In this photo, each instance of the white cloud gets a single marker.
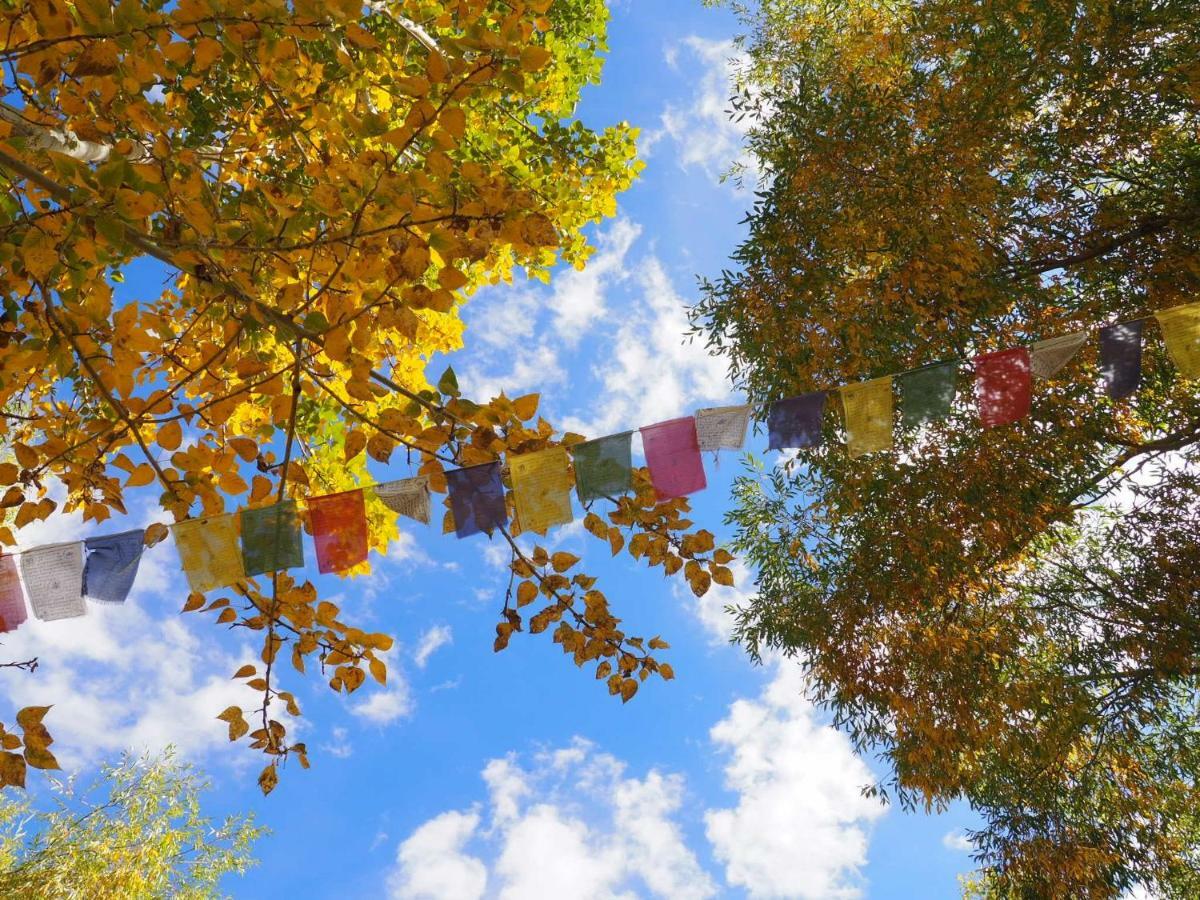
(390, 704)
(579, 294)
(430, 641)
(702, 131)
(431, 864)
(801, 825)
(119, 678)
(650, 348)
(339, 744)
(506, 318)
(956, 840)
(405, 549)
(572, 825)
(711, 608)
(646, 344)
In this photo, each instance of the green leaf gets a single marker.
(448, 383)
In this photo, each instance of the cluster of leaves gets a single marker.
(145, 837)
(329, 183)
(29, 748)
(946, 178)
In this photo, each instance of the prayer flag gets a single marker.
(1180, 326)
(1048, 356)
(673, 455)
(868, 407)
(271, 538)
(796, 422)
(53, 578)
(1121, 358)
(927, 394)
(407, 497)
(112, 564)
(339, 528)
(12, 598)
(209, 552)
(541, 485)
(477, 499)
(722, 427)
(1003, 386)
(603, 467)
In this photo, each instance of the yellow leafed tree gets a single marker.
(327, 182)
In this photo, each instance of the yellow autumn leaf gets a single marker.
(140, 477)
(169, 436)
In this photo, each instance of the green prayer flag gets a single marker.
(603, 467)
(927, 394)
(271, 539)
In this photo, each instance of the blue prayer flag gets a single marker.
(796, 422)
(476, 499)
(112, 564)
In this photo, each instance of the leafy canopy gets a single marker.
(137, 831)
(329, 182)
(1007, 616)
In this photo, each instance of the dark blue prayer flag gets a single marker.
(1121, 358)
(476, 499)
(796, 422)
(112, 564)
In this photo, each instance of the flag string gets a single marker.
(225, 548)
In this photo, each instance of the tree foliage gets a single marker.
(144, 837)
(328, 182)
(1010, 615)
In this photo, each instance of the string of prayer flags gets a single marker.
(722, 427)
(1048, 356)
(112, 565)
(339, 529)
(12, 598)
(673, 454)
(407, 497)
(868, 408)
(1121, 358)
(1003, 386)
(477, 499)
(209, 552)
(541, 483)
(603, 467)
(53, 577)
(1180, 326)
(271, 538)
(927, 394)
(219, 551)
(796, 422)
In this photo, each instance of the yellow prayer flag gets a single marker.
(541, 484)
(1180, 327)
(868, 407)
(209, 551)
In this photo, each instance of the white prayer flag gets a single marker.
(408, 497)
(722, 427)
(53, 577)
(1048, 356)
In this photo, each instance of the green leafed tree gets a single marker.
(1007, 616)
(137, 832)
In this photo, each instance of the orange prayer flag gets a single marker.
(339, 527)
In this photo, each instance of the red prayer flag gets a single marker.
(673, 455)
(1003, 386)
(12, 598)
(339, 526)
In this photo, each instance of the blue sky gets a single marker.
(476, 774)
